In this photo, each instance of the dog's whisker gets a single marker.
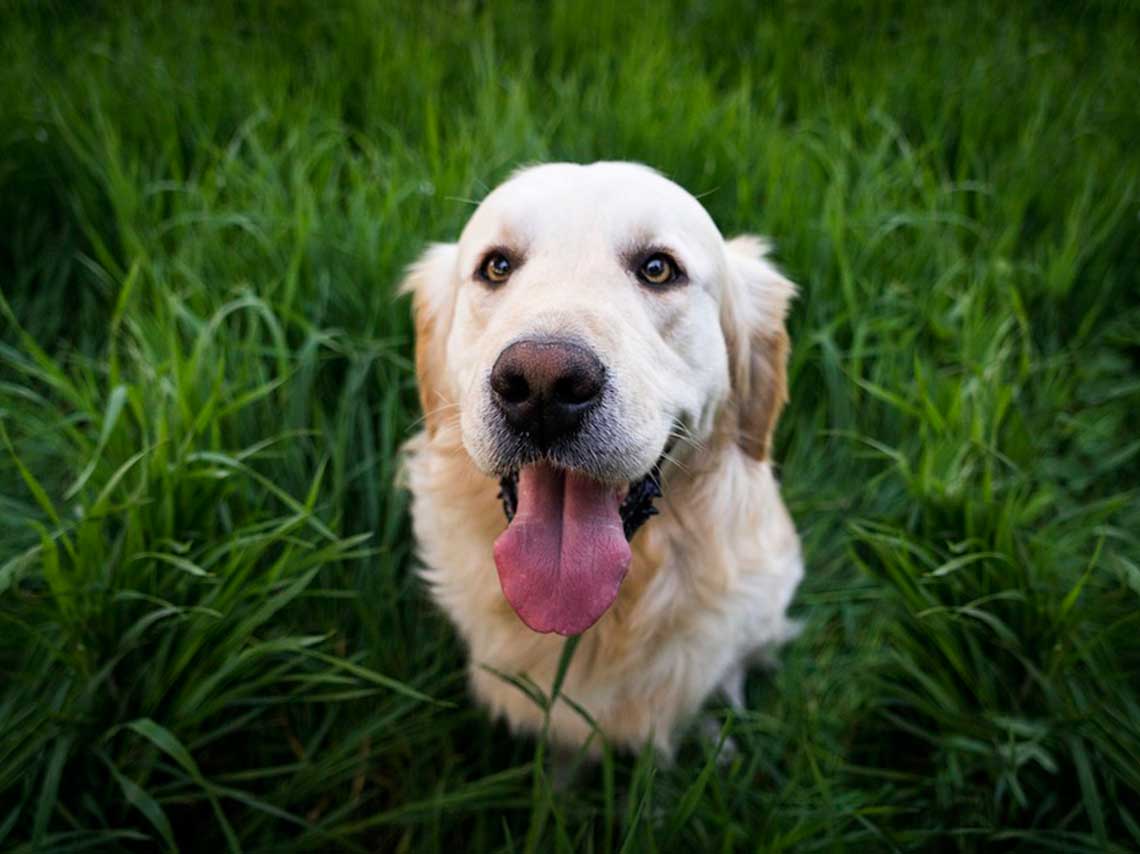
(673, 460)
(688, 439)
(439, 410)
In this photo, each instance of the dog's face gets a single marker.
(612, 271)
(590, 322)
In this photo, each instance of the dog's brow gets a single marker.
(512, 235)
(642, 238)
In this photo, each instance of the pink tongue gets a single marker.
(564, 555)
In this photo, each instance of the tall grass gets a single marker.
(211, 636)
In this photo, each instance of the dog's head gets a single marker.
(590, 323)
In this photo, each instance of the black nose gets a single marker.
(545, 387)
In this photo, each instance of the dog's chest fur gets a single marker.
(706, 593)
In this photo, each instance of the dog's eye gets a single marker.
(658, 269)
(496, 268)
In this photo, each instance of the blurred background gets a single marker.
(211, 633)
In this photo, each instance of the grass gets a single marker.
(211, 637)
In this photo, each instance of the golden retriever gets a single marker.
(592, 343)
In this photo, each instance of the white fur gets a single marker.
(713, 574)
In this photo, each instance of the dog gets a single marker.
(601, 373)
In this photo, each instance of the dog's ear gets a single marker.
(753, 309)
(431, 282)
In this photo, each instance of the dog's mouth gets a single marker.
(566, 549)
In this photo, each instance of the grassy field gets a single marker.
(211, 634)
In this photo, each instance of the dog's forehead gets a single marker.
(622, 202)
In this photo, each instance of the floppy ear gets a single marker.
(431, 282)
(755, 303)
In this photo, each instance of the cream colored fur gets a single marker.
(713, 574)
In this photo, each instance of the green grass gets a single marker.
(210, 632)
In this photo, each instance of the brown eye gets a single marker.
(496, 268)
(658, 269)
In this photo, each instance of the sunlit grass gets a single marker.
(211, 636)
